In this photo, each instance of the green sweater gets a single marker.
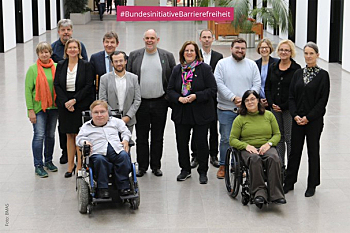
(255, 130)
(30, 82)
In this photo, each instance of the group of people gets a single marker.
(203, 88)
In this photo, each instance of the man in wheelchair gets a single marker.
(255, 133)
(102, 134)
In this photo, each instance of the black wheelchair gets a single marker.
(86, 184)
(237, 174)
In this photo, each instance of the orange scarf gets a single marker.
(42, 88)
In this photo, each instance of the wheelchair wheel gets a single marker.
(232, 172)
(135, 202)
(83, 196)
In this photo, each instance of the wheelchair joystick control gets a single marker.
(136, 167)
(86, 150)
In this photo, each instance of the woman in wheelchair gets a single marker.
(255, 133)
(102, 134)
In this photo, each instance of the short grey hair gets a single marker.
(312, 45)
(65, 23)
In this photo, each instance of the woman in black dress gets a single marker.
(73, 86)
(308, 97)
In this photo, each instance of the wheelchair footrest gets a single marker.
(100, 200)
(131, 196)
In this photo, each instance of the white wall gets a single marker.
(27, 20)
(41, 17)
(53, 14)
(346, 37)
(9, 24)
(285, 34)
(323, 27)
(62, 8)
(301, 23)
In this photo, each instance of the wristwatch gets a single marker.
(270, 143)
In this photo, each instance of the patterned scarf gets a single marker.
(42, 89)
(309, 73)
(187, 77)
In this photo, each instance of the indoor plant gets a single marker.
(77, 11)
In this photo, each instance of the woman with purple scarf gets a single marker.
(191, 91)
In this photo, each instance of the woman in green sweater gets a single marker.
(42, 112)
(255, 133)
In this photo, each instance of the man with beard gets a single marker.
(121, 90)
(234, 75)
(153, 66)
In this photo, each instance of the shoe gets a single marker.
(280, 201)
(124, 192)
(69, 174)
(140, 173)
(214, 161)
(287, 188)
(183, 176)
(51, 166)
(221, 172)
(194, 162)
(203, 179)
(310, 192)
(259, 201)
(157, 172)
(103, 193)
(39, 170)
(63, 159)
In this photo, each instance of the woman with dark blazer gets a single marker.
(73, 86)
(308, 97)
(191, 91)
(277, 92)
(264, 49)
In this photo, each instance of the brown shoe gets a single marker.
(221, 172)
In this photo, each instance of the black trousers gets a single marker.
(312, 131)
(200, 138)
(63, 141)
(213, 140)
(151, 116)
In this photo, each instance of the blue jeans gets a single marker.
(226, 119)
(44, 133)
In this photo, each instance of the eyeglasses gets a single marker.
(262, 48)
(284, 50)
(250, 100)
(99, 112)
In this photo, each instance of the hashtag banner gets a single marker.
(164, 13)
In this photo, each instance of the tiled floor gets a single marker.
(32, 204)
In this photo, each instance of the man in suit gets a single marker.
(153, 66)
(65, 32)
(100, 61)
(211, 58)
(121, 90)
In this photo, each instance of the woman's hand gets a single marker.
(264, 102)
(69, 104)
(251, 149)
(304, 121)
(264, 148)
(276, 108)
(191, 98)
(32, 116)
(183, 100)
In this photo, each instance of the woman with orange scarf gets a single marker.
(42, 112)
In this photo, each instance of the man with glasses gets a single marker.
(234, 75)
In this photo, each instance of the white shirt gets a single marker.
(71, 76)
(206, 57)
(121, 89)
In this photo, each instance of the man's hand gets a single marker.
(276, 108)
(251, 149)
(264, 148)
(264, 102)
(191, 98)
(126, 119)
(237, 101)
(32, 116)
(125, 145)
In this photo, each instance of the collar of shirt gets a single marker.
(206, 54)
(118, 77)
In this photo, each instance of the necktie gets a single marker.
(110, 65)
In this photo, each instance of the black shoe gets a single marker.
(214, 161)
(194, 162)
(280, 201)
(183, 176)
(203, 179)
(103, 193)
(310, 192)
(259, 201)
(157, 172)
(63, 159)
(287, 188)
(140, 173)
(69, 174)
(124, 192)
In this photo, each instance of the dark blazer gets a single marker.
(167, 61)
(309, 100)
(98, 63)
(83, 84)
(277, 84)
(271, 60)
(215, 57)
(203, 85)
